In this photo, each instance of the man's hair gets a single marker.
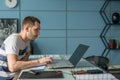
(30, 20)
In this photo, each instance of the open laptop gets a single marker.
(73, 60)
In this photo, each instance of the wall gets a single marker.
(64, 24)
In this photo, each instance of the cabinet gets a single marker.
(107, 26)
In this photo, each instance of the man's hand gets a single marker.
(45, 59)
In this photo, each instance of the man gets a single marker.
(15, 50)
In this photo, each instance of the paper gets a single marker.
(37, 68)
(106, 76)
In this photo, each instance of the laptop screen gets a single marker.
(78, 54)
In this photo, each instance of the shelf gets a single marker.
(113, 49)
(113, 24)
(114, 0)
(107, 26)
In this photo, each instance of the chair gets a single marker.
(100, 61)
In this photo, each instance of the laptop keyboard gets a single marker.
(59, 64)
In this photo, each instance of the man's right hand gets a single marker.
(45, 59)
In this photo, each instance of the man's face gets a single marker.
(34, 31)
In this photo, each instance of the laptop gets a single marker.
(72, 61)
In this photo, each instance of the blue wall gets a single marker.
(65, 24)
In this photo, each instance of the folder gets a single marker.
(41, 75)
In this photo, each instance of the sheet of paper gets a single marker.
(106, 76)
(39, 67)
(35, 68)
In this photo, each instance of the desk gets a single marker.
(66, 72)
(68, 76)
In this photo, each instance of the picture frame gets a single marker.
(7, 27)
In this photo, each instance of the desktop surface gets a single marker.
(67, 71)
(66, 75)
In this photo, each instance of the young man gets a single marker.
(15, 50)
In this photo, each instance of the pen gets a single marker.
(32, 72)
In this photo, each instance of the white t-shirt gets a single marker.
(12, 45)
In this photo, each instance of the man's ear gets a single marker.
(27, 27)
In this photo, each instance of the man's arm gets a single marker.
(15, 65)
(26, 57)
(27, 54)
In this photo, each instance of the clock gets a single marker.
(11, 3)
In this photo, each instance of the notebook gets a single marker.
(72, 61)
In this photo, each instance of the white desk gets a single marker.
(66, 72)
(67, 75)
